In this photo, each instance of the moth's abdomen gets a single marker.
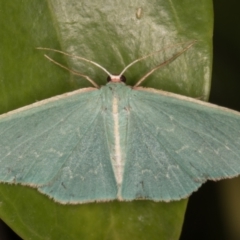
(115, 100)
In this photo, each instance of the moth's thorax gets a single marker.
(119, 91)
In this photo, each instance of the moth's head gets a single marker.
(116, 78)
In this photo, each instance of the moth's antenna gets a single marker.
(150, 54)
(72, 71)
(164, 63)
(77, 57)
(116, 78)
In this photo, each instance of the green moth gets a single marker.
(119, 142)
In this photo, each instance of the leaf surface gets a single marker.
(112, 33)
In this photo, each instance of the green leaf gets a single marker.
(112, 33)
(35, 216)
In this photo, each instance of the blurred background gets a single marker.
(214, 211)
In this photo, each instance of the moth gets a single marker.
(118, 142)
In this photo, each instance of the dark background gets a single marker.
(204, 219)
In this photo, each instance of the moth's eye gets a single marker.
(108, 79)
(123, 78)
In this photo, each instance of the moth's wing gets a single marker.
(59, 146)
(174, 144)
